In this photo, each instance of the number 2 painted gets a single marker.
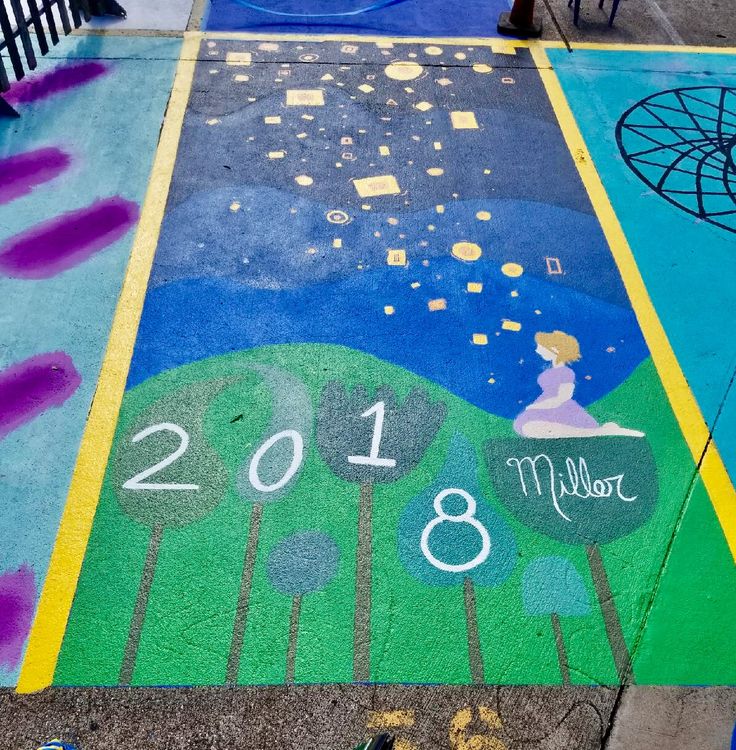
(137, 483)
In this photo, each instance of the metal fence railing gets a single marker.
(29, 23)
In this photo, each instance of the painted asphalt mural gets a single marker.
(391, 414)
(380, 423)
(64, 244)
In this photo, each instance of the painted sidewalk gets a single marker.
(69, 203)
(348, 325)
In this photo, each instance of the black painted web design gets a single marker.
(682, 143)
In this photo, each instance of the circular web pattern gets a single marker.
(682, 143)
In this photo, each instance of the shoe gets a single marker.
(382, 742)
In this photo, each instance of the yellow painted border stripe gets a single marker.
(692, 423)
(65, 565)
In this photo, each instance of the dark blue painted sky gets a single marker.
(249, 257)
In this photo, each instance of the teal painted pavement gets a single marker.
(103, 132)
(686, 261)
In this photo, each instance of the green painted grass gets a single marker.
(418, 632)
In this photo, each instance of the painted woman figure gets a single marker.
(555, 414)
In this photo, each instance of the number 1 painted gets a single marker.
(373, 459)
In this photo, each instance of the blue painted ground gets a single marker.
(111, 151)
(683, 260)
(401, 18)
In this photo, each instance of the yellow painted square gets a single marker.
(305, 98)
(475, 287)
(481, 339)
(238, 58)
(369, 187)
(438, 146)
(337, 243)
(384, 151)
(464, 120)
(437, 304)
(396, 257)
(510, 325)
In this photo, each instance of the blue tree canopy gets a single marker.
(451, 521)
(552, 585)
(303, 563)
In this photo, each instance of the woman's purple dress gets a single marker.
(570, 414)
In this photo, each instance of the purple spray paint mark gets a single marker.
(22, 172)
(17, 600)
(56, 81)
(30, 387)
(67, 240)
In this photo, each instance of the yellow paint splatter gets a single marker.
(483, 216)
(480, 339)
(482, 68)
(435, 172)
(512, 269)
(384, 151)
(235, 206)
(276, 154)
(510, 325)
(390, 719)
(369, 187)
(464, 120)
(434, 51)
(435, 305)
(305, 98)
(337, 243)
(389, 310)
(423, 106)
(304, 180)
(439, 209)
(238, 58)
(403, 70)
(396, 257)
(272, 120)
(213, 121)
(467, 251)
(366, 88)
(475, 287)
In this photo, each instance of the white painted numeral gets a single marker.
(298, 447)
(137, 483)
(372, 459)
(467, 517)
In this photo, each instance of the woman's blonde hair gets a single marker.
(566, 347)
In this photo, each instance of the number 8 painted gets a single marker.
(467, 517)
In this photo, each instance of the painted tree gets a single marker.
(588, 491)
(267, 475)
(165, 474)
(552, 587)
(301, 564)
(372, 440)
(450, 536)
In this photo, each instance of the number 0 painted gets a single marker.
(137, 483)
(297, 442)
